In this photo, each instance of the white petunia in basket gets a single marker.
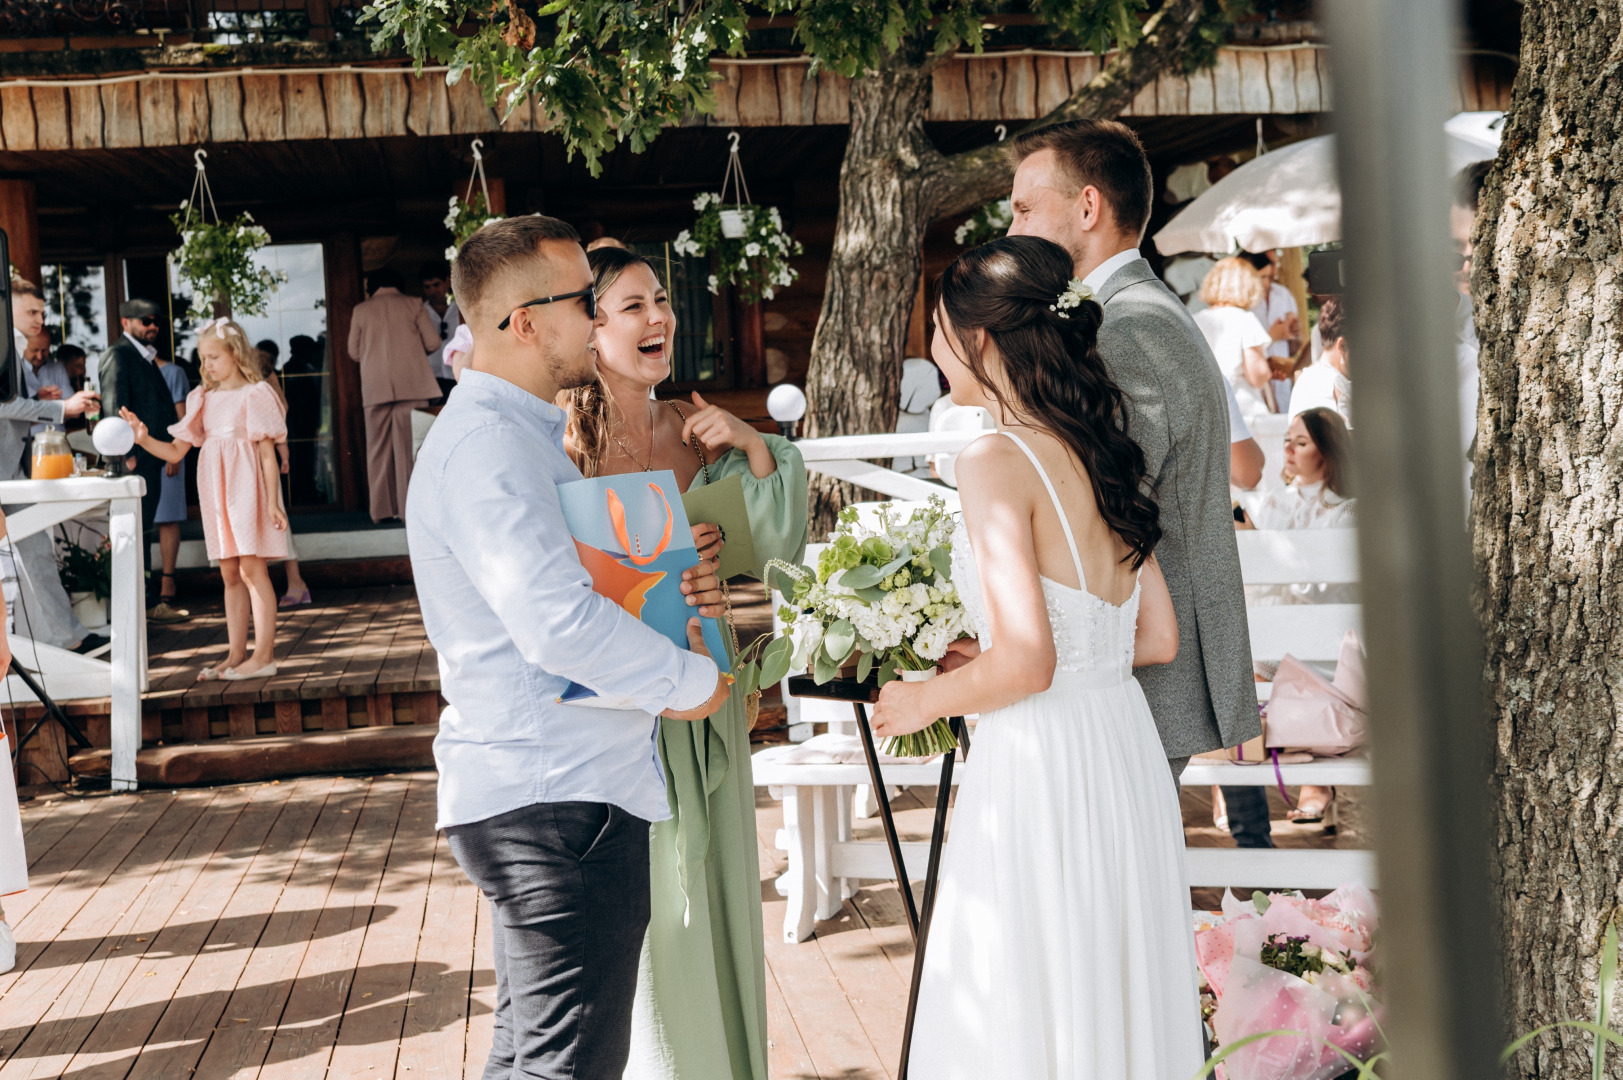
(882, 597)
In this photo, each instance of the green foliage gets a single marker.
(988, 223)
(464, 219)
(613, 71)
(217, 260)
(757, 262)
(85, 571)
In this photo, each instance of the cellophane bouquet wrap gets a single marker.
(1285, 963)
(882, 596)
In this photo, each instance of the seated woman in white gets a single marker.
(1061, 946)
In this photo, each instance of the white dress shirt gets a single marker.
(1100, 274)
(448, 323)
(512, 614)
(148, 353)
(1321, 386)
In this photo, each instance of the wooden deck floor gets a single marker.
(320, 928)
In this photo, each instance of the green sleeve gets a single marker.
(776, 503)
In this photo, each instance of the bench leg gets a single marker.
(844, 888)
(799, 831)
(825, 818)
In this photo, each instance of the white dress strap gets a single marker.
(1053, 496)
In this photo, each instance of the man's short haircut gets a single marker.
(438, 269)
(24, 287)
(68, 352)
(500, 251)
(1104, 154)
(384, 277)
(1332, 319)
(1468, 185)
(1259, 259)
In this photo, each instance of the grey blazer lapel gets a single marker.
(1134, 272)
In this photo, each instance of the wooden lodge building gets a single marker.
(348, 159)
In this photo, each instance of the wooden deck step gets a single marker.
(235, 761)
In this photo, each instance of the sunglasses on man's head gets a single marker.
(588, 295)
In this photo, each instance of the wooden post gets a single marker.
(344, 291)
(19, 216)
(751, 348)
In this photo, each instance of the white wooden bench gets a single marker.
(821, 801)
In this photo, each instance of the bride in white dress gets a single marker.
(1061, 946)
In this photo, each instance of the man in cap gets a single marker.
(43, 612)
(130, 379)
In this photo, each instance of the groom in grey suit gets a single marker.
(1086, 186)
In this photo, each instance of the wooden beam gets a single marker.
(304, 108)
(19, 216)
(17, 124)
(343, 259)
(51, 118)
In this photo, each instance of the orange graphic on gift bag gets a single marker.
(617, 517)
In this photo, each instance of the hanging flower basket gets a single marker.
(216, 258)
(748, 242)
(751, 249)
(470, 213)
(988, 223)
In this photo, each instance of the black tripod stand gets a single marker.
(53, 711)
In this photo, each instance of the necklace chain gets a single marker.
(649, 467)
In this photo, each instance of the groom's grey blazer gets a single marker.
(1178, 412)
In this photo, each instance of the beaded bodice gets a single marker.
(1090, 634)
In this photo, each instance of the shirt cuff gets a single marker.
(696, 683)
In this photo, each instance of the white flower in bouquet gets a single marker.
(883, 597)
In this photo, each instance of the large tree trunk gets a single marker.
(1547, 507)
(893, 184)
(854, 380)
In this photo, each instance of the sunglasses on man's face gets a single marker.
(588, 295)
(148, 320)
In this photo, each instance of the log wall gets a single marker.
(172, 108)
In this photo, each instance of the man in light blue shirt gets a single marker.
(546, 806)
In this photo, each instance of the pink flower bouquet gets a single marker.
(1286, 963)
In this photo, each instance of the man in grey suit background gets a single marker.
(44, 612)
(1086, 185)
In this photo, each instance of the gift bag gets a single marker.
(1315, 715)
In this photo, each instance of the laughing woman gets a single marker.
(701, 991)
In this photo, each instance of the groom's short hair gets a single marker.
(1104, 154)
(500, 253)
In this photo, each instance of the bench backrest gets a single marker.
(1309, 632)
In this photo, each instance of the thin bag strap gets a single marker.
(1081, 578)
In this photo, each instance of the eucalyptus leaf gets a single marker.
(887, 670)
(775, 661)
(941, 559)
(862, 577)
(872, 595)
(823, 669)
(864, 666)
(748, 678)
(838, 639)
(903, 557)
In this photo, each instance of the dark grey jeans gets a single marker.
(568, 886)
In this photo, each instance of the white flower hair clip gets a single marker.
(217, 325)
(1074, 294)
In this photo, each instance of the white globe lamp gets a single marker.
(787, 405)
(113, 437)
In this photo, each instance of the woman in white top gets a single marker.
(1239, 342)
(1318, 451)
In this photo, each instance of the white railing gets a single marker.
(66, 676)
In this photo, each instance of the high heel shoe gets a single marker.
(290, 600)
(1325, 814)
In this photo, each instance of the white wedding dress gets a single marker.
(1061, 947)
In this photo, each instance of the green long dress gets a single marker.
(700, 1012)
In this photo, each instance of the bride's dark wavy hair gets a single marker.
(1051, 364)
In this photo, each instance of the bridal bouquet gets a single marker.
(1293, 983)
(883, 597)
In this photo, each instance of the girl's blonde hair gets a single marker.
(236, 342)
(587, 429)
(1233, 282)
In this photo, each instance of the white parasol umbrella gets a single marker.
(1289, 197)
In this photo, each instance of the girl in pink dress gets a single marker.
(236, 419)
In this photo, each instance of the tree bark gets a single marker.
(893, 184)
(854, 380)
(1548, 501)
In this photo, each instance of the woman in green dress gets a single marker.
(701, 990)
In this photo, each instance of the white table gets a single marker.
(49, 503)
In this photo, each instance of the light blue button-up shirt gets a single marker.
(512, 614)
